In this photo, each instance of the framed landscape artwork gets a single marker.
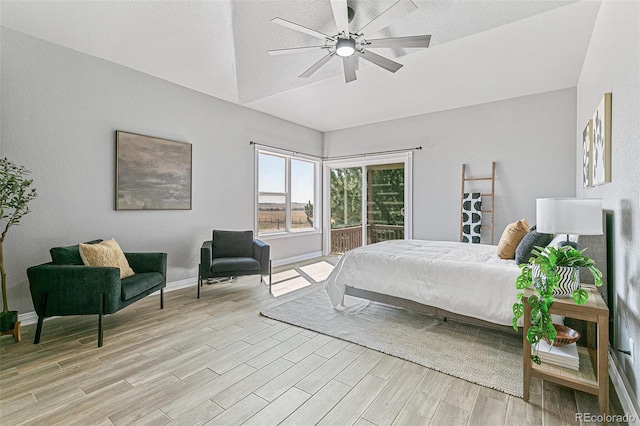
(152, 173)
(587, 154)
(602, 142)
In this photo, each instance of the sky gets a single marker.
(272, 178)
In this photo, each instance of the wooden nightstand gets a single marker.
(593, 376)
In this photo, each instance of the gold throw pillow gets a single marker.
(106, 253)
(511, 237)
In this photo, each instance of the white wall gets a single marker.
(530, 138)
(612, 65)
(60, 111)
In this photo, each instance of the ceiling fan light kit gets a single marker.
(345, 47)
(348, 44)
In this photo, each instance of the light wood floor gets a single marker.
(218, 361)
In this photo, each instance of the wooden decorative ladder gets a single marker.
(488, 196)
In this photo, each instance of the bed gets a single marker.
(449, 279)
(438, 277)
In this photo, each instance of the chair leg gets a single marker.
(162, 298)
(199, 283)
(17, 336)
(269, 275)
(43, 304)
(100, 319)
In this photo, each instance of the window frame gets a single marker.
(317, 193)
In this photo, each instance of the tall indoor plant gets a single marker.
(548, 260)
(15, 194)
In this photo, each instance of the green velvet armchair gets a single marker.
(65, 286)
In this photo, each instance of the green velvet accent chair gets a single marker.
(231, 254)
(65, 286)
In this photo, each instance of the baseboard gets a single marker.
(623, 389)
(32, 318)
(295, 259)
(28, 318)
(184, 283)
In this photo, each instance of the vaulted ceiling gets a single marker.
(481, 51)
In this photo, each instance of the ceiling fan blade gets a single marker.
(398, 10)
(296, 50)
(380, 61)
(349, 64)
(340, 15)
(413, 41)
(315, 67)
(300, 28)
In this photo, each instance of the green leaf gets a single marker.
(536, 359)
(523, 281)
(518, 310)
(535, 311)
(580, 296)
(549, 330)
(533, 334)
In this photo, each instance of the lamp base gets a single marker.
(569, 243)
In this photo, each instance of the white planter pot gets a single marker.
(569, 280)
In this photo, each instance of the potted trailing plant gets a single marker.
(15, 194)
(543, 272)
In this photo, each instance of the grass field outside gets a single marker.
(271, 217)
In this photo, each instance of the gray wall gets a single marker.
(60, 111)
(613, 65)
(530, 138)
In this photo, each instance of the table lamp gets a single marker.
(581, 216)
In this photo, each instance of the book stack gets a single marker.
(564, 356)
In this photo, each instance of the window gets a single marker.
(286, 193)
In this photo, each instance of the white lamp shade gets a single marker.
(581, 216)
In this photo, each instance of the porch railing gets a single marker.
(344, 239)
(378, 233)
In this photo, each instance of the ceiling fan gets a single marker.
(350, 45)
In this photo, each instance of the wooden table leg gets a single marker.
(526, 352)
(603, 364)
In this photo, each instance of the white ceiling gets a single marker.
(481, 51)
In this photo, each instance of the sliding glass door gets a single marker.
(345, 199)
(366, 201)
(385, 202)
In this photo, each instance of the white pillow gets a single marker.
(563, 237)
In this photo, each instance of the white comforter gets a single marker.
(467, 279)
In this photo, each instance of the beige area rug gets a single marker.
(488, 357)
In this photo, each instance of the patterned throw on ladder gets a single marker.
(471, 217)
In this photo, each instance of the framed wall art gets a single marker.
(602, 142)
(152, 173)
(587, 155)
